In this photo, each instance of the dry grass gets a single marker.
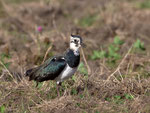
(121, 87)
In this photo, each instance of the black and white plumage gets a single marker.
(59, 68)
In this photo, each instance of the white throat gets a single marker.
(74, 48)
(76, 52)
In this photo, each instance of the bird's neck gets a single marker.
(76, 52)
(73, 58)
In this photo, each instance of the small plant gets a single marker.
(118, 99)
(2, 109)
(145, 4)
(74, 91)
(108, 99)
(81, 96)
(74, 78)
(96, 111)
(117, 41)
(113, 49)
(98, 55)
(139, 45)
(78, 104)
(87, 21)
(112, 52)
(4, 57)
(82, 69)
(129, 96)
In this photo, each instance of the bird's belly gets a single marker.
(68, 72)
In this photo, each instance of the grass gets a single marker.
(111, 54)
(127, 90)
(78, 87)
(18, 1)
(82, 69)
(138, 45)
(2, 11)
(2, 109)
(87, 21)
(145, 4)
(117, 99)
(3, 59)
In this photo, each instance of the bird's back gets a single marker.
(57, 68)
(47, 71)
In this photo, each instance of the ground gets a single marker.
(114, 73)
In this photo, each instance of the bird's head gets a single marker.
(75, 42)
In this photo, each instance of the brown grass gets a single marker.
(123, 87)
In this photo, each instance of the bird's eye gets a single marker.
(76, 41)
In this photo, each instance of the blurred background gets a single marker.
(117, 38)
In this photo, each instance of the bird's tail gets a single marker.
(31, 73)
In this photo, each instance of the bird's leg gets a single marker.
(58, 88)
(37, 83)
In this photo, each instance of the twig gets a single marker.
(2, 75)
(50, 47)
(118, 68)
(7, 71)
(89, 70)
(120, 75)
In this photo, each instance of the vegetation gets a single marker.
(114, 75)
(145, 4)
(112, 54)
(87, 21)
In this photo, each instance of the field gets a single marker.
(114, 72)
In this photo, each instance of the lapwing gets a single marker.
(58, 68)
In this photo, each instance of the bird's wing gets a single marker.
(49, 70)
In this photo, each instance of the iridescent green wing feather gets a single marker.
(50, 69)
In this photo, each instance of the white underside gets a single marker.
(65, 74)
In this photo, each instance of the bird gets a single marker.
(59, 67)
